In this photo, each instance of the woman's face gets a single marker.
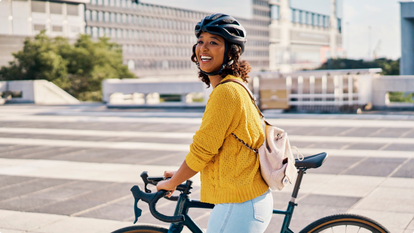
(210, 52)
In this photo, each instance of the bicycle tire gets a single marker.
(343, 223)
(142, 229)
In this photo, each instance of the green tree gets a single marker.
(389, 67)
(77, 68)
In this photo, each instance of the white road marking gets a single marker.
(365, 123)
(103, 133)
(90, 144)
(185, 148)
(97, 133)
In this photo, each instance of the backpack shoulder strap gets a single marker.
(248, 91)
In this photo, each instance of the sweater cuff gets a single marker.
(194, 163)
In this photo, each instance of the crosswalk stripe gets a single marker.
(185, 148)
(110, 172)
(89, 144)
(102, 133)
(97, 133)
(367, 123)
(130, 173)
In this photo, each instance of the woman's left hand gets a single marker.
(166, 185)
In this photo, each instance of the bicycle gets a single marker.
(333, 223)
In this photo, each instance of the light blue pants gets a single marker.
(252, 216)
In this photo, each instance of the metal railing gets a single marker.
(324, 90)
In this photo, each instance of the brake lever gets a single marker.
(137, 211)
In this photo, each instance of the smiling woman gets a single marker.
(221, 40)
(229, 170)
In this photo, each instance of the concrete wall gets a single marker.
(149, 86)
(384, 84)
(38, 92)
(407, 38)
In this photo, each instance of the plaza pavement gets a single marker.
(70, 168)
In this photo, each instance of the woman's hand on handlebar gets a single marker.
(169, 174)
(166, 185)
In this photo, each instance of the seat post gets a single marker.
(297, 184)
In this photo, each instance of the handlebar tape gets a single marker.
(158, 215)
(152, 199)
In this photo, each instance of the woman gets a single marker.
(229, 170)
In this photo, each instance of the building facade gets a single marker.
(22, 18)
(301, 38)
(157, 40)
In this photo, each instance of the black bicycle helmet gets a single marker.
(225, 26)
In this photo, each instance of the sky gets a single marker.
(368, 25)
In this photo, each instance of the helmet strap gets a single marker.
(225, 62)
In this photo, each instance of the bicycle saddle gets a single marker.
(313, 161)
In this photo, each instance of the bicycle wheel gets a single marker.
(345, 223)
(142, 229)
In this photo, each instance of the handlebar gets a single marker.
(153, 198)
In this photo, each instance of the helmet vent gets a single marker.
(216, 16)
(234, 32)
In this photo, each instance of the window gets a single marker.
(39, 27)
(57, 28)
(39, 6)
(339, 26)
(55, 8)
(93, 16)
(274, 12)
(72, 9)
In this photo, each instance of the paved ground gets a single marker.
(69, 169)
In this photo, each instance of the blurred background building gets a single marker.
(407, 38)
(22, 18)
(304, 34)
(157, 40)
(283, 35)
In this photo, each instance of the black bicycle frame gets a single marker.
(291, 206)
(184, 204)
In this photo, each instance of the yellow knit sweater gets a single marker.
(229, 170)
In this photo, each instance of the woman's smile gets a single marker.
(210, 51)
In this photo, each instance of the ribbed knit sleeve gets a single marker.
(219, 120)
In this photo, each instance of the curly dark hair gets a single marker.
(239, 68)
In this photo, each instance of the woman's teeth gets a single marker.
(205, 58)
